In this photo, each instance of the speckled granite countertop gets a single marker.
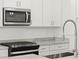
(41, 41)
(51, 41)
(29, 56)
(69, 57)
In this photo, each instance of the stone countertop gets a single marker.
(69, 57)
(3, 47)
(51, 41)
(29, 56)
(41, 41)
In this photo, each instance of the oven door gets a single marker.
(23, 50)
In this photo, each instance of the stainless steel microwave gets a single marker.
(16, 16)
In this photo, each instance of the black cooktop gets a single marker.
(19, 44)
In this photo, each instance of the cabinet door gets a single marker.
(51, 12)
(47, 12)
(26, 4)
(17, 3)
(68, 10)
(77, 21)
(56, 12)
(36, 12)
(11, 3)
(44, 46)
(68, 13)
(1, 19)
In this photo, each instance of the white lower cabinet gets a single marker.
(44, 53)
(3, 51)
(53, 49)
(44, 50)
(59, 47)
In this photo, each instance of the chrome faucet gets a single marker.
(75, 42)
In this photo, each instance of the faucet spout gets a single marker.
(75, 42)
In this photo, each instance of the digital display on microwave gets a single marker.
(15, 16)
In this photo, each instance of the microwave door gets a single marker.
(17, 17)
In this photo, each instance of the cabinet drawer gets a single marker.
(44, 53)
(3, 53)
(60, 46)
(44, 48)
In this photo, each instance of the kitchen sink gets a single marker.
(58, 55)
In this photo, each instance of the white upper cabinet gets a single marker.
(36, 12)
(25, 4)
(77, 7)
(17, 3)
(51, 12)
(1, 17)
(68, 10)
(77, 10)
(11, 3)
(47, 13)
(77, 18)
(57, 12)
(43, 12)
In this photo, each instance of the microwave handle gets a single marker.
(27, 17)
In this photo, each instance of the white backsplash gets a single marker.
(10, 33)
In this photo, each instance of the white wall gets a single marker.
(10, 33)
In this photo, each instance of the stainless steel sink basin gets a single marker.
(58, 55)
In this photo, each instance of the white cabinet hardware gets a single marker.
(17, 3)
